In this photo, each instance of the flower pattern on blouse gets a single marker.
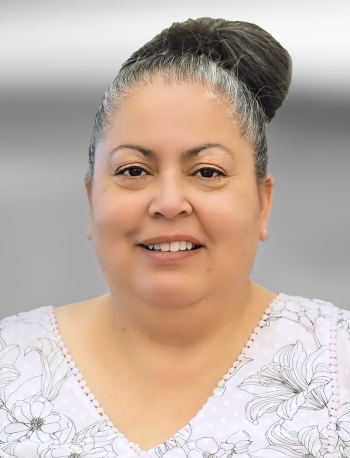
(305, 443)
(276, 400)
(292, 381)
(34, 418)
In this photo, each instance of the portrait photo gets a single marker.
(175, 229)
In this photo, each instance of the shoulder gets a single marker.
(27, 327)
(330, 323)
(341, 334)
(36, 314)
(343, 322)
(299, 304)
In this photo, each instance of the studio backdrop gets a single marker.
(58, 58)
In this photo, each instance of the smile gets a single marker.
(173, 246)
(170, 257)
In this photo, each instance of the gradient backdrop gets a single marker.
(57, 59)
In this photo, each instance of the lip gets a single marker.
(171, 238)
(170, 257)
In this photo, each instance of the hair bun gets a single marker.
(242, 47)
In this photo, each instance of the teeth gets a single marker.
(173, 246)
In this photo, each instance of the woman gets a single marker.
(185, 356)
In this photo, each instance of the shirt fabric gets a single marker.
(287, 395)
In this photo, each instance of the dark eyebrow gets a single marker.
(187, 154)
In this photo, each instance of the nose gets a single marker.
(170, 195)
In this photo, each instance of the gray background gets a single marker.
(57, 59)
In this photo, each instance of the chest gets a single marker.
(268, 386)
(147, 413)
(146, 410)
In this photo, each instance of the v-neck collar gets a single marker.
(243, 358)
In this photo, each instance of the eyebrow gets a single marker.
(186, 155)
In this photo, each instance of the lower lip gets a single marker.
(170, 257)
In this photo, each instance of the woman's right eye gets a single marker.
(131, 173)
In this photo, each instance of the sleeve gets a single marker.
(339, 427)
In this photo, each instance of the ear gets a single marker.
(265, 199)
(88, 235)
(87, 190)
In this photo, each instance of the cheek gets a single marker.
(231, 228)
(116, 225)
(116, 217)
(233, 216)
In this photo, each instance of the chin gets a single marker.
(167, 292)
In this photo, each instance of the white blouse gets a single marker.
(287, 395)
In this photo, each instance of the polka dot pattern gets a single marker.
(290, 380)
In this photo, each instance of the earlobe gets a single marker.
(263, 236)
(88, 234)
(265, 204)
(87, 192)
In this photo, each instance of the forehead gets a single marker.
(164, 102)
(162, 116)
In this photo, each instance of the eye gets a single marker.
(134, 172)
(210, 170)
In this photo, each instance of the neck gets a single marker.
(168, 337)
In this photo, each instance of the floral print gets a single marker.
(206, 446)
(34, 421)
(288, 383)
(342, 431)
(93, 442)
(33, 418)
(180, 445)
(343, 323)
(275, 401)
(305, 443)
(237, 443)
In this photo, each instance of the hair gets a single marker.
(247, 70)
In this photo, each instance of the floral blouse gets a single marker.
(287, 395)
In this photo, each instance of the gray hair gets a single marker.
(250, 106)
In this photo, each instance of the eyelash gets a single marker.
(221, 174)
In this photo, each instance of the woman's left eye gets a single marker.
(211, 170)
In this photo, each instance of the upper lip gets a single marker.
(171, 238)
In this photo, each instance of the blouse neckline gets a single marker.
(92, 399)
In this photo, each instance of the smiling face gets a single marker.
(212, 196)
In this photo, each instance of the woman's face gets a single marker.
(169, 194)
